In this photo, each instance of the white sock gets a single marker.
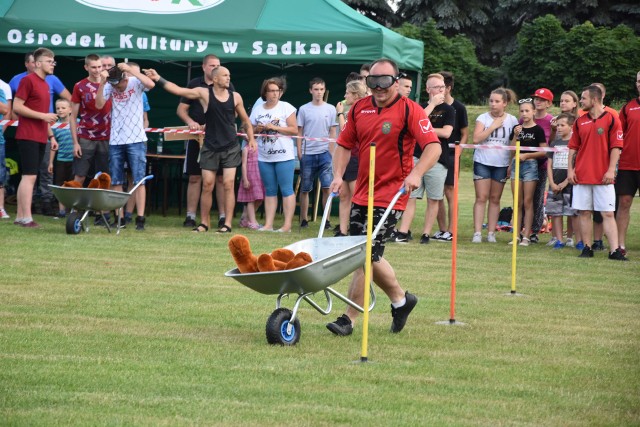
(399, 303)
(191, 215)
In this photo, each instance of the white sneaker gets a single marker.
(491, 238)
(569, 243)
(477, 238)
(4, 214)
(525, 242)
(552, 241)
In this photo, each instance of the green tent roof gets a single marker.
(272, 31)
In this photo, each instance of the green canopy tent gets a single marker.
(255, 39)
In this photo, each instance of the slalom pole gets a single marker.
(514, 220)
(367, 264)
(454, 229)
(454, 241)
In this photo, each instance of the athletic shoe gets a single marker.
(254, 226)
(401, 314)
(4, 214)
(342, 326)
(443, 236)
(477, 238)
(140, 223)
(401, 237)
(618, 255)
(569, 243)
(558, 245)
(30, 224)
(587, 252)
(304, 223)
(552, 241)
(327, 225)
(190, 222)
(339, 234)
(99, 222)
(533, 238)
(337, 228)
(598, 245)
(424, 239)
(221, 221)
(524, 242)
(623, 250)
(491, 238)
(409, 236)
(114, 224)
(580, 245)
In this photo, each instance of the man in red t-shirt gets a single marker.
(628, 179)
(594, 150)
(395, 124)
(91, 134)
(31, 103)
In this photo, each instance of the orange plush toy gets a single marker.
(279, 259)
(72, 184)
(240, 250)
(104, 181)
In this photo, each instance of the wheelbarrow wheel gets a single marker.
(73, 223)
(277, 326)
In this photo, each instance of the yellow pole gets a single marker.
(367, 264)
(514, 219)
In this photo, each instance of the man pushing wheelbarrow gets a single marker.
(395, 124)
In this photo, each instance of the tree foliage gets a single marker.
(548, 56)
(492, 24)
(455, 54)
(376, 10)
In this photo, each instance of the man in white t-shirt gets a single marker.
(127, 140)
(316, 120)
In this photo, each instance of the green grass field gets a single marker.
(144, 329)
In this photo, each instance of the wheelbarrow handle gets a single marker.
(142, 181)
(327, 209)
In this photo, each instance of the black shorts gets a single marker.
(62, 171)
(351, 172)
(627, 183)
(31, 156)
(450, 180)
(358, 227)
(191, 165)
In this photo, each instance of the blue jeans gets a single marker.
(277, 174)
(136, 156)
(3, 167)
(316, 165)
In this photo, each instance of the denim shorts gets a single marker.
(316, 165)
(496, 173)
(528, 170)
(135, 154)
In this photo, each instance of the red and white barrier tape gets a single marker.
(200, 132)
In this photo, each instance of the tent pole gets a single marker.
(188, 72)
(418, 86)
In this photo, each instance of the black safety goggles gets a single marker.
(383, 81)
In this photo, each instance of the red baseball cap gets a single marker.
(544, 93)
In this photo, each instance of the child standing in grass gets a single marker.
(559, 195)
(61, 160)
(542, 101)
(530, 135)
(251, 190)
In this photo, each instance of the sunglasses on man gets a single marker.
(383, 81)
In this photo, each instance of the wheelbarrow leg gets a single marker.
(351, 303)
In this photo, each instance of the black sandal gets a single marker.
(198, 230)
(224, 229)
